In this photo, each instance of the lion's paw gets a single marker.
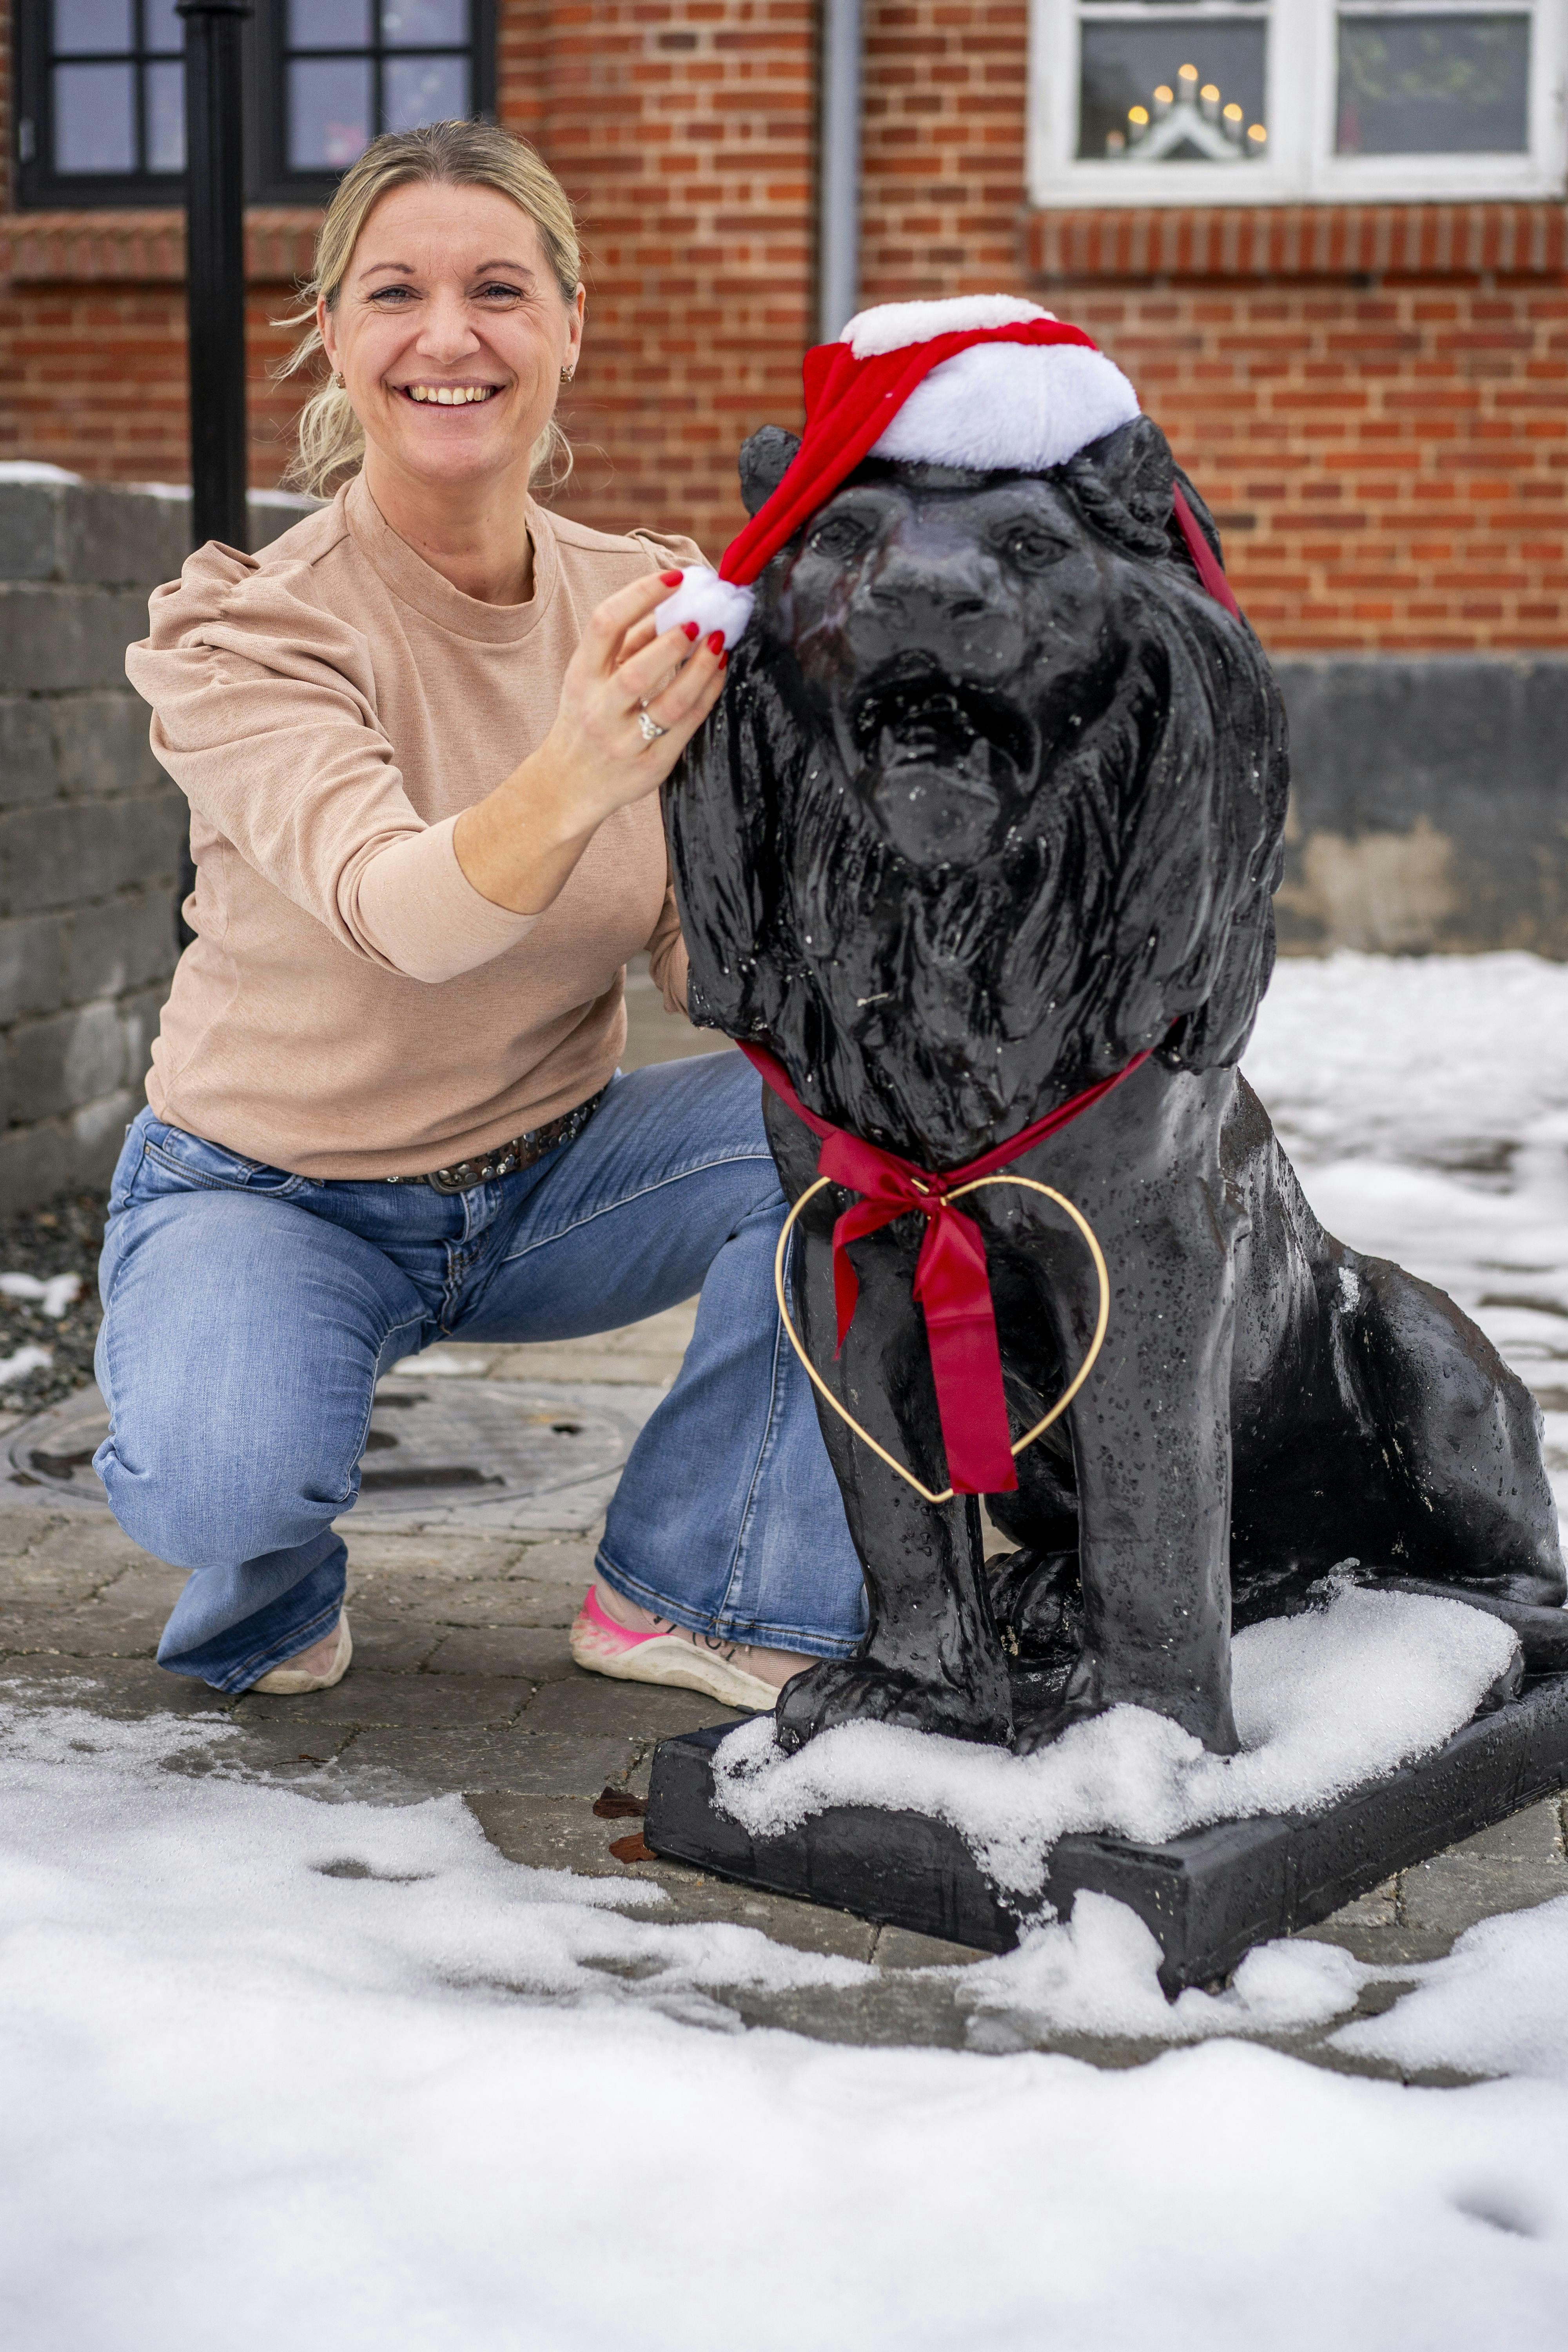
(854, 1690)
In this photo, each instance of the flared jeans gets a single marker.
(249, 1314)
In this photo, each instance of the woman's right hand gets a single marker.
(620, 669)
(518, 844)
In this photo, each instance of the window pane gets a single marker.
(425, 25)
(165, 118)
(83, 25)
(1187, 91)
(329, 114)
(328, 24)
(1434, 86)
(161, 29)
(95, 118)
(424, 89)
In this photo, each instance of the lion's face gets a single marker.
(991, 802)
(952, 639)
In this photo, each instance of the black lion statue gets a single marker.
(992, 805)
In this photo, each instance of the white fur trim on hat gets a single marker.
(712, 603)
(1021, 408)
(893, 326)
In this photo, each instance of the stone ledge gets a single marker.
(61, 531)
(147, 248)
(1140, 241)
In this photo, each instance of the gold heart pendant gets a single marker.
(1062, 1402)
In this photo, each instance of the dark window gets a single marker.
(337, 72)
(102, 113)
(1437, 85)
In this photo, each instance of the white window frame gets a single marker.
(1301, 164)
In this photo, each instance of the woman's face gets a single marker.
(451, 333)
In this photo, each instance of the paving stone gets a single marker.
(277, 1751)
(479, 1604)
(129, 1689)
(1532, 1839)
(887, 2013)
(900, 1948)
(390, 1642)
(146, 1584)
(422, 1702)
(1512, 1867)
(18, 1528)
(1365, 1929)
(567, 1559)
(640, 1710)
(538, 1653)
(552, 1833)
(543, 1764)
(77, 1545)
(35, 1579)
(425, 1553)
(92, 1630)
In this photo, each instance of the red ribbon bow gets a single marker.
(951, 1281)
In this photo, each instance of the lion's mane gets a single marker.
(936, 1010)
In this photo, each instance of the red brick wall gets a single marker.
(93, 378)
(1389, 465)
(1372, 399)
(92, 341)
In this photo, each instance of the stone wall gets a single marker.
(1429, 805)
(92, 830)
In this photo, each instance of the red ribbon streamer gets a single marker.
(1209, 569)
(951, 1281)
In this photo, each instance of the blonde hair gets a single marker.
(439, 154)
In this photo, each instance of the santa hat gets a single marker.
(985, 382)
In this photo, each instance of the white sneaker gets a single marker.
(326, 1662)
(675, 1657)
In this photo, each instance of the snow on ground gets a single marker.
(341, 2075)
(1425, 1103)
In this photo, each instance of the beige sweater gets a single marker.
(352, 1006)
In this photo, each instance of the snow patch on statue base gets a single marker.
(1376, 1729)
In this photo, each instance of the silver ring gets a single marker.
(651, 730)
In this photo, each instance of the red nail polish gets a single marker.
(671, 579)
(691, 630)
(724, 661)
(716, 642)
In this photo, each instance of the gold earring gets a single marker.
(567, 375)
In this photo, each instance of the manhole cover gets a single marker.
(501, 1454)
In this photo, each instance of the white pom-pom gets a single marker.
(712, 603)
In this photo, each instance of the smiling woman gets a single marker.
(423, 737)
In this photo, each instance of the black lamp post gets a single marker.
(214, 267)
(215, 284)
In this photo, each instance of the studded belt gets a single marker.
(505, 1158)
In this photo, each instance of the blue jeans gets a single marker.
(249, 1314)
